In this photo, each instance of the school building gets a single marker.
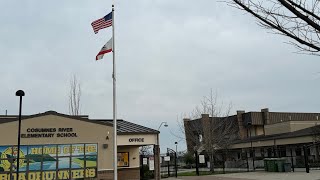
(294, 136)
(60, 146)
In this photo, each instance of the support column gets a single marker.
(156, 162)
(306, 158)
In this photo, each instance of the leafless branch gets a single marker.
(74, 96)
(297, 19)
(214, 132)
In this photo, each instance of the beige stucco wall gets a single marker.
(277, 128)
(298, 125)
(288, 126)
(259, 130)
(285, 141)
(131, 143)
(87, 132)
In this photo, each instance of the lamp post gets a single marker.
(157, 147)
(176, 143)
(165, 125)
(19, 93)
(249, 125)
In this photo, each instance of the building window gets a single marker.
(269, 152)
(283, 152)
(262, 152)
(298, 152)
(244, 155)
(251, 153)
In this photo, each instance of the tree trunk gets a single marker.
(211, 157)
(224, 161)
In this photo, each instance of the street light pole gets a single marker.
(176, 143)
(165, 125)
(19, 93)
(156, 148)
(249, 125)
(176, 158)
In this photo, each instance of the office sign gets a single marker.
(136, 139)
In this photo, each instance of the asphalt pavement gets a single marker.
(313, 175)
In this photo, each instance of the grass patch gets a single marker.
(193, 173)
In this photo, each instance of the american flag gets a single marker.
(102, 23)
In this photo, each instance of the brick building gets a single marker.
(264, 134)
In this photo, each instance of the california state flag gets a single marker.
(105, 49)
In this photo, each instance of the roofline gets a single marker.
(278, 136)
(106, 120)
(210, 117)
(287, 137)
(283, 112)
(111, 122)
(84, 118)
(81, 118)
(135, 133)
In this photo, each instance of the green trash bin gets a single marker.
(280, 163)
(272, 165)
(265, 164)
(275, 165)
(287, 167)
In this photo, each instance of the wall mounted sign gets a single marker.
(145, 161)
(202, 159)
(151, 163)
(123, 159)
(49, 133)
(136, 139)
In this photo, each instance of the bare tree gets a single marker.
(213, 134)
(74, 96)
(145, 150)
(296, 19)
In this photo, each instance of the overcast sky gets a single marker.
(170, 53)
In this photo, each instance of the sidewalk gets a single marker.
(313, 175)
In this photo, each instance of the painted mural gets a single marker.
(65, 161)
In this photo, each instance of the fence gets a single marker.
(146, 167)
(169, 166)
(300, 157)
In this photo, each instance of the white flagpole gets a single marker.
(115, 145)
